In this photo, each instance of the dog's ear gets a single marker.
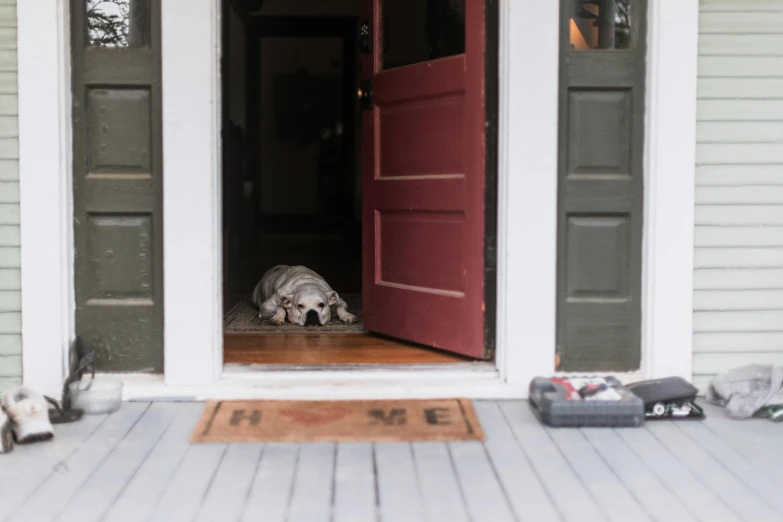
(333, 298)
(285, 300)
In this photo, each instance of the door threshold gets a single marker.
(477, 381)
(250, 368)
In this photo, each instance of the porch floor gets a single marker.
(137, 465)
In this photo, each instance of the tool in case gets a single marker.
(668, 398)
(585, 401)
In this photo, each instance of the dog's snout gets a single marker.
(312, 318)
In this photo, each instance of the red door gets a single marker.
(423, 172)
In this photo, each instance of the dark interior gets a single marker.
(291, 164)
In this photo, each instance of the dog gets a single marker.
(299, 293)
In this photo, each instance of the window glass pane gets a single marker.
(420, 30)
(599, 24)
(118, 23)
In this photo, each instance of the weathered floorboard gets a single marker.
(141, 493)
(687, 486)
(138, 464)
(270, 493)
(599, 479)
(399, 496)
(569, 494)
(231, 484)
(526, 493)
(107, 482)
(440, 490)
(354, 484)
(24, 470)
(184, 496)
(311, 498)
(646, 487)
(53, 495)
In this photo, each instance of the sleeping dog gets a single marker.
(301, 294)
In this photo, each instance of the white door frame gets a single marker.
(527, 210)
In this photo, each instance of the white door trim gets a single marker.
(46, 209)
(192, 332)
(527, 191)
(669, 188)
(527, 206)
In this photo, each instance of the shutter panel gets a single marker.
(117, 180)
(600, 184)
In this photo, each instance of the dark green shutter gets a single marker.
(117, 188)
(601, 154)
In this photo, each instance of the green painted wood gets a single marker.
(117, 184)
(601, 150)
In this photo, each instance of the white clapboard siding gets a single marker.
(10, 261)
(738, 321)
(9, 125)
(740, 44)
(742, 21)
(738, 262)
(738, 258)
(10, 257)
(738, 279)
(739, 153)
(738, 175)
(737, 236)
(743, 6)
(740, 132)
(738, 342)
(738, 300)
(717, 362)
(740, 195)
(717, 215)
(740, 109)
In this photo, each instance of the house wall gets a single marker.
(738, 279)
(10, 295)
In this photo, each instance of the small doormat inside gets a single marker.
(243, 318)
(337, 421)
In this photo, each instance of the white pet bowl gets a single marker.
(96, 396)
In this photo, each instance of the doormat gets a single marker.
(338, 421)
(243, 318)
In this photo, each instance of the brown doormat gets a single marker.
(243, 318)
(338, 421)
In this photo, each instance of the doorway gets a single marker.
(292, 177)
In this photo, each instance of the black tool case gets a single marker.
(584, 401)
(668, 398)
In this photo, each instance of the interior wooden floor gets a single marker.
(327, 349)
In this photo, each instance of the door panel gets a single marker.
(601, 184)
(423, 174)
(117, 177)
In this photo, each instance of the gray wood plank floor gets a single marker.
(137, 465)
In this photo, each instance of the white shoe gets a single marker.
(6, 435)
(29, 413)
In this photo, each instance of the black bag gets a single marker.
(668, 398)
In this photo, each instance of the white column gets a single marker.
(46, 210)
(529, 63)
(670, 170)
(191, 192)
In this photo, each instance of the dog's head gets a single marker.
(309, 305)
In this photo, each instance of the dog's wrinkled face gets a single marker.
(309, 306)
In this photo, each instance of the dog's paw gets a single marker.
(277, 321)
(348, 318)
